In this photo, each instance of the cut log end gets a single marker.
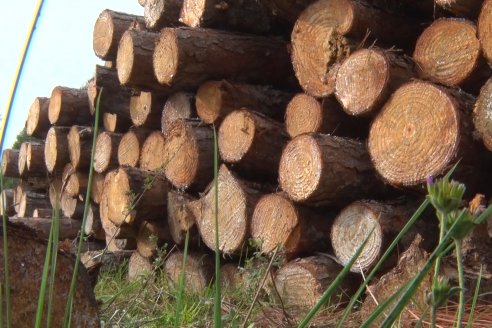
(69, 106)
(180, 105)
(304, 114)
(485, 29)
(482, 114)
(130, 146)
(10, 163)
(198, 270)
(125, 59)
(37, 123)
(166, 57)
(179, 217)
(209, 101)
(152, 155)
(119, 206)
(106, 150)
(103, 35)
(236, 135)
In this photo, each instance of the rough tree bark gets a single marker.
(38, 123)
(461, 8)
(69, 228)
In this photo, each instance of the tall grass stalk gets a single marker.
(54, 255)
(181, 285)
(461, 282)
(475, 298)
(218, 294)
(437, 267)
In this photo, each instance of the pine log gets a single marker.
(327, 170)
(180, 219)
(131, 194)
(28, 200)
(69, 106)
(55, 192)
(198, 270)
(108, 30)
(35, 163)
(71, 207)
(130, 146)
(162, 13)
(482, 114)
(216, 99)
(220, 54)
(367, 78)
(278, 222)
(139, 267)
(306, 114)
(288, 10)
(69, 229)
(180, 105)
(93, 225)
(423, 9)
(253, 143)
(80, 140)
(319, 38)
(146, 110)
(484, 27)
(10, 163)
(461, 8)
(104, 258)
(97, 187)
(188, 155)
(420, 132)
(22, 160)
(115, 123)
(106, 156)
(7, 202)
(38, 123)
(42, 213)
(151, 236)
(152, 153)
(119, 237)
(76, 183)
(56, 152)
(236, 200)
(448, 52)
(313, 274)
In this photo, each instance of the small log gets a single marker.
(10, 163)
(76, 183)
(180, 219)
(306, 114)
(367, 78)
(97, 187)
(130, 147)
(482, 112)
(139, 267)
(334, 170)
(69, 229)
(146, 110)
(216, 99)
(461, 8)
(35, 162)
(288, 10)
(108, 30)
(151, 236)
(69, 106)
(448, 52)
(221, 54)
(42, 213)
(80, 140)
(237, 200)
(93, 225)
(131, 194)
(117, 237)
(180, 105)
(277, 221)
(56, 152)
(162, 13)
(252, 142)
(71, 207)
(22, 160)
(152, 153)
(55, 192)
(188, 155)
(38, 123)
(28, 200)
(115, 123)
(106, 156)
(198, 270)
(7, 202)
(484, 27)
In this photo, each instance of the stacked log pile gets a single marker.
(329, 115)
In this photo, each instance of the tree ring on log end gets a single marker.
(304, 114)
(416, 135)
(51, 149)
(129, 149)
(209, 101)
(125, 58)
(485, 29)
(482, 114)
(118, 198)
(166, 56)
(193, 12)
(236, 135)
(102, 157)
(103, 34)
(55, 106)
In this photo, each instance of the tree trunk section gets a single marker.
(151, 236)
(69, 229)
(97, 187)
(10, 163)
(7, 202)
(180, 105)
(484, 26)
(461, 8)
(29, 200)
(118, 237)
(146, 110)
(55, 192)
(35, 163)
(80, 146)
(56, 152)
(106, 156)
(93, 225)
(139, 266)
(69, 106)
(482, 114)
(76, 184)
(71, 207)
(42, 213)
(130, 147)
(180, 219)
(162, 13)
(115, 123)
(152, 154)
(38, 122)
(198, 270)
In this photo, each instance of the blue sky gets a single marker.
(60, 53)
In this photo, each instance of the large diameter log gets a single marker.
(130, 147)
(35, 162)
(7, 202)
(221, 55)
(325, 169)
(198, 270)
(162, 13)
(56, 152)
(146, 110)
(319, 40)
(106, 156)
(10, 163)
(461, 8)
(188, 155)
(484, 27)
(448, 52)
(38, 123)
(216, 99)
(80, 146)
(116, 123)
(252, 142)
(180, 105)
(152, 154)
(482, 114)
(151, 236)
(180, 219)
(130, 194)
(367, 78)
(69, 106)
(108, 30)
(139, 266)
(69, 229)
(278, 222)
(236, 203)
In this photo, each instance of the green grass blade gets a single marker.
(54, 256)
(334, 285)
(475, 298)
(218, 293)
(181, 285)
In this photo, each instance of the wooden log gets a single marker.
(97, 187)
(152, 154)
(22, 160)
(35, 163)
(231, 277)
(95, 258)
(448, 52)
(76, 183)
(28, 200)
(306, 114)
(69, 106)
(71, 207)
(422, 9)
(198, 270)
(188, 155)
(461, 8)
(484, 27)
(42, 213)
(288, 10)
(69, 228)
(80, 146)
(334, 170)
(319, 38)
(139, 267)
(93, 225)
(245, 58)
(106, 156)
(253, 143)
(117, 237)
(10, 163)
(278, 222)
(7, 202)
(180, 219)
(131, 194)
(216, 99)
(115, 123)
(56, 152)
(130, 147)
(367, 78)
(54, 192)
(108, 30)
(152, 235)
(38, 123)
(482, 111)
(180, 105)
(162, 13)
(237, 200)
(146, 110)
